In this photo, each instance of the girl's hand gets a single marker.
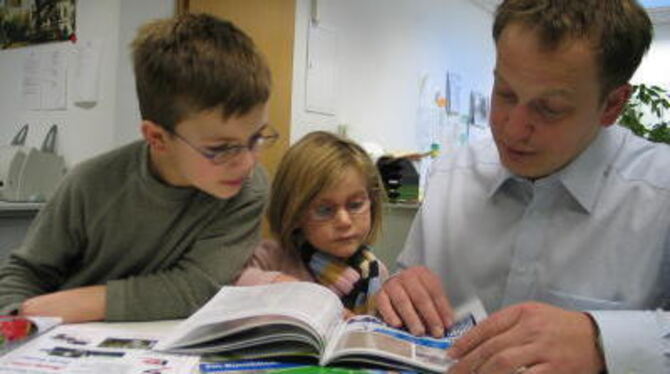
(285, 278)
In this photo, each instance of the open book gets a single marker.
(304, 319)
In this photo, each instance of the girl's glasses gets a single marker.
(322, 213)
(261, 140)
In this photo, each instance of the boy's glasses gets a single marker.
(261, 140)
(323, 213)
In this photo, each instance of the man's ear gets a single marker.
(614, 104)
(155, 135)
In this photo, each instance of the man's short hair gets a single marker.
(620, 30)
(196, 62)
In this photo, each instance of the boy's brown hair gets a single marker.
(195, 62)
(619, 30)
(311, 165)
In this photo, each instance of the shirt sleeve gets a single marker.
(635, 341)
(214, 260)
(37, 266)
(262, 268)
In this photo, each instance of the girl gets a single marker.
(325, 210)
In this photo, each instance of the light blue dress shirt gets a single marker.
(594, 236)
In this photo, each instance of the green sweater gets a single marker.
(161, 251)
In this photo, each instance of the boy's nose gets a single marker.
(246, 160)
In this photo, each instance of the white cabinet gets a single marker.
(396, 222)
(15, 218)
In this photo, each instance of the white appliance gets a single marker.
(27, 173)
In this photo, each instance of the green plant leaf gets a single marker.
(647, 99)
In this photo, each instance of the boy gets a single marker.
(151, 230)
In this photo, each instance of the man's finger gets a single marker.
(494, 325)
(424, 304)
(385, 309)
(509, 360)
(504, 350)
(434, 287)
(404, 307)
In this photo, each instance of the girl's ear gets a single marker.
(155, 135)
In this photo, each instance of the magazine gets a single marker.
(82, 349)
(17, 330)
(304, 319)
(281, 367)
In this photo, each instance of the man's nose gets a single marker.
(519, 125)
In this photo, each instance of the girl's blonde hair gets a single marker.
(313, 164)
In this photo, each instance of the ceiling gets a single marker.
(655, 3)
(659, 10)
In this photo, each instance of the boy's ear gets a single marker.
(155, 135)
(614, 104)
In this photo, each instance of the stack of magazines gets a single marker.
(17, 330)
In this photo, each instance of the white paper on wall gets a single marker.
(31, 88)
(321, 70)
(454, 93)
(54, 68)
(87, 71)
(44, 81)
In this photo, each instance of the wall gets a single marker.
(654, 67)
(84, 132)
(383, 49)
(133, 14)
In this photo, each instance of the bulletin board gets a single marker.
(28, 22)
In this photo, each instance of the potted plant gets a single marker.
(643, 113)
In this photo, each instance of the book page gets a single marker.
(310, 303)
(251, 338)
(368, 339)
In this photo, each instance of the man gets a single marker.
(562, 226)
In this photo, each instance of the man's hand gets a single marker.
(414, 297)
(83, 304)
(539, 337)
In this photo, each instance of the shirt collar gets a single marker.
(584, 176)
(499, 180)
(159, 188)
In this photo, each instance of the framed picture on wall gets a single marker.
(453, 92)
(479, 109)
(28, 22)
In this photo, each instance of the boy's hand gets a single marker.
(83, 304)
(414, 297)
